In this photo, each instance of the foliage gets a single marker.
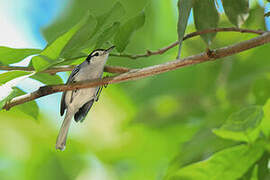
(209, 121)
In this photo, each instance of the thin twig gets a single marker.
(134, 74)
(188, 36)
(54, 70)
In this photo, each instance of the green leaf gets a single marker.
(237, 13)
(115, 13)
(7, 76)
(205, 17)
(88, 35)
(228, 164)
(125, 32)
(265, 124)
(184, 8)
(47, 79)
(10, 96)
(107, 34)
(77, 42)
(7, 81)
(12, 55)
(41, 62)
(242, 125)
(254, 175)
(104, 21)
(29, 108)
(51, 53)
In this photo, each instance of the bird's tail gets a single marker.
(62, 136)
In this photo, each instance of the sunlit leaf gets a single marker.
(7, 76)
(11, 55)
(125, 32)
(42, 62)
(184, 8)
(47, 79)
(107, 34)
(205, 17)
(53, 50)
(242, 125)
(231, 163)
(237, 13)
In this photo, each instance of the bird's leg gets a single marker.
(106, 85)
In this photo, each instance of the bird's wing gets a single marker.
(70, 79)
(83, 111)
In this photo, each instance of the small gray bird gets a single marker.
(77, 103)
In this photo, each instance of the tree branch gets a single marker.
(114, 69)
(188, 36)
(134, 74)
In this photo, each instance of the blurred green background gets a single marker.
(141, 129)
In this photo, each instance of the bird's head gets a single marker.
(99, 55)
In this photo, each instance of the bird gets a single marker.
(77, 103)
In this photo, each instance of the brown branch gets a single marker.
(188, 36)
(134, 74)
(54, 70)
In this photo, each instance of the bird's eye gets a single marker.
(96, 54)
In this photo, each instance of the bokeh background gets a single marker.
(138, 129)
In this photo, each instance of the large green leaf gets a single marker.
(236, 11)
(104, 21)
(7, 76)
(125, 32)
(93, 29)
(228, 164)
(77, 42)
(51, 53)
(11, 55)
(107, 34)
(184, 8)
(242, 125)
(47, 79)
(30, 108)
(205, 17)
(114, 14)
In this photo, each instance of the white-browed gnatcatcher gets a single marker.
(77, 103)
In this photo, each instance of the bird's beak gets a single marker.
(109, 49)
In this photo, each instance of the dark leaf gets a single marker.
(125, 32)
(205, 17)
(184, 8)
(237, 12)
(107, 34)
